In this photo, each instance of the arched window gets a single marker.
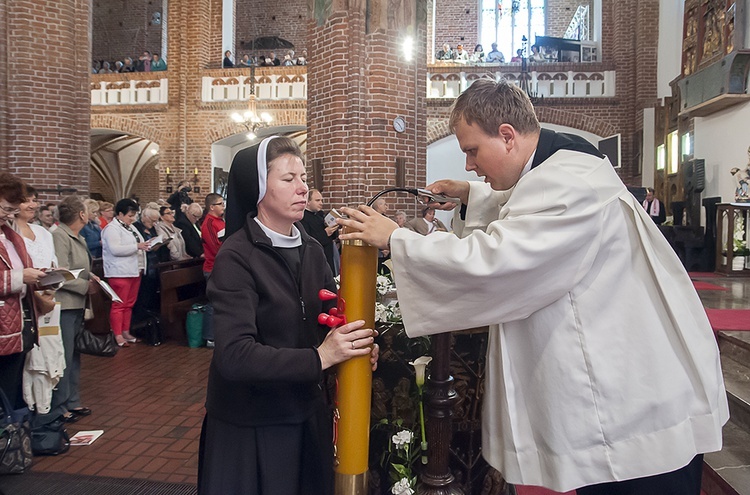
(508, 21)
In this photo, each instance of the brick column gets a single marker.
(358, 82)
(45, 98)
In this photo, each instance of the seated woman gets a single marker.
(124, 256)
(91, 231)
(267, 429)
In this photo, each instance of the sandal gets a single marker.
(129, 338)
(121, 341)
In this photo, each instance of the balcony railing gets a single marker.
(272, 83)
(143, 88)
(444, 81)
(554, 80)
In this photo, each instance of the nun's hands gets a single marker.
(346, 342)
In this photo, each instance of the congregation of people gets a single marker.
(460, 54)
(40, 369)
(147, 62)
(264, 60)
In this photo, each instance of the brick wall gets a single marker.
(123, 28)
(350, 118)
(47, 112)
(456, 22)
(255, 18)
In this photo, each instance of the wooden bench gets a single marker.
(182, 285)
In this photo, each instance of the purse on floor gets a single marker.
(50, 439)
(15, 438)
(96, 345)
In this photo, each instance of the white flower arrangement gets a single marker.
(402, 487)
(402, 438)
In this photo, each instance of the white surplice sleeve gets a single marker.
(515, 257)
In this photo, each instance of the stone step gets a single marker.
(727, 472)
(736, 372)
(735, 345)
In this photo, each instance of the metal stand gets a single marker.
(440, 399)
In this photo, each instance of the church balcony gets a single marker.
(445, 81)
(551, 80)
(129, 89)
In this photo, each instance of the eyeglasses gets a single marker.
(10, 211)
(218, 204)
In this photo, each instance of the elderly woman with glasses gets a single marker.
(167, 229)
(17, 312)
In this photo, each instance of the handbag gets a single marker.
(96, 345)
(15, 438)
(50, 439)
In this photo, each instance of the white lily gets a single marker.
(419, 367)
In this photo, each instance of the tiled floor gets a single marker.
(149, 401)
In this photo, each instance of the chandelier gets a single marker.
(250, 119)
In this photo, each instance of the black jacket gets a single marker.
(315, 225)
(265, 368)
(193, 242)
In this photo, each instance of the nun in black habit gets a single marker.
(268, 424)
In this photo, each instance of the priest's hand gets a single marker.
(346, 342)
(451, 188)
(366, 224)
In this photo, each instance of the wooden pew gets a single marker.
(182, 285)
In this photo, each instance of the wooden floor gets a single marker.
(149, 401)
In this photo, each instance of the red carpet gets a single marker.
(729, 319)
(707, 286)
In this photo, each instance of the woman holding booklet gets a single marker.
(124, 255)
(72, 254)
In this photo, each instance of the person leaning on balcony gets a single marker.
(495, 56)
(603, 373)
(144, 62)
(460, 55)
(158, 63)
(227, 63)
(17, 311)
(478, 55)
(124, 256)
(302, 59)
(444, 53)
(128, 65)
(245, 61)
(268, 423)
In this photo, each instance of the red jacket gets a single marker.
(11, 312)
(210, 230)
